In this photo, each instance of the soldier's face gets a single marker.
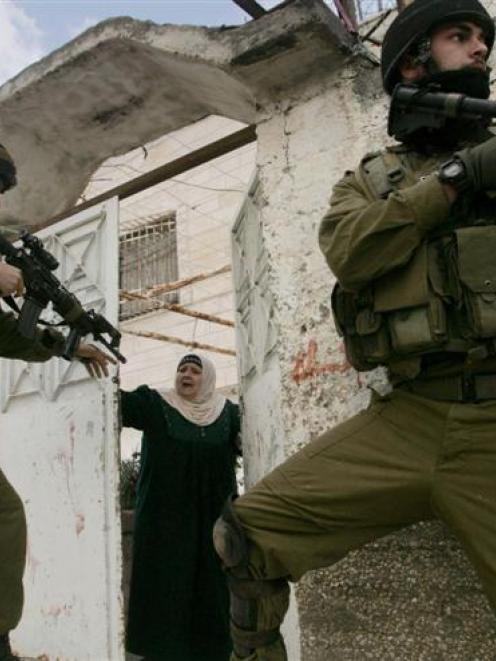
(453, 46)
(459, 45)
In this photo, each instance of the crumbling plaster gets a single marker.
(321, 136)
(126, 82)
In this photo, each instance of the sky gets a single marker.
(30, 29)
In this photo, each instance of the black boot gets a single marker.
(5, 651)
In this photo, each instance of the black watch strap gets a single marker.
(454, 173)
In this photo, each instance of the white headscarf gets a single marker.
(207, 406)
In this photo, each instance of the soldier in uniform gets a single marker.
(411, 238)
(45, 345)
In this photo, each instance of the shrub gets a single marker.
(130, 470)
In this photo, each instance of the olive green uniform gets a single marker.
(46, 344)
(419, 452)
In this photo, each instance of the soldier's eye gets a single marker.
(459, 35)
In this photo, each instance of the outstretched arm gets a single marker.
(95, 360)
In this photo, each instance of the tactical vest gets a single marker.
(443, 300)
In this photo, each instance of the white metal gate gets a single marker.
(256, 340)
(260, 378)
(59, 448)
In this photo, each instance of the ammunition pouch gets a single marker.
(476, 267)
(367, 342)
(443, 300)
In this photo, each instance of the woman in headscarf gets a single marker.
(179, 605)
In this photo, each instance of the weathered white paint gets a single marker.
(259, 372)
(256, 338)
(291, 630)
(59, 448)
(304, 147)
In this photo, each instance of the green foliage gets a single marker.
(130, 469)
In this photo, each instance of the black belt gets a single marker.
(462, 388)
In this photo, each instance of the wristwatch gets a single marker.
(454, 174)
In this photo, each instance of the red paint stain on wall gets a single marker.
(80, 523)
(72, 440)
(306, 366)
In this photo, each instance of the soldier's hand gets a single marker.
(95, 361)
(480, 165)
(11, 281)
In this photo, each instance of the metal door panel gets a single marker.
(59, 448)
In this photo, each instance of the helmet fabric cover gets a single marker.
(417, 21)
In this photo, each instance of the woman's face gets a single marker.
(188, 380)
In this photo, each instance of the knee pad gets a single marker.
(231, 545)
(248, 633)
(229, 539)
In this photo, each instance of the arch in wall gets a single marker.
(125, 82)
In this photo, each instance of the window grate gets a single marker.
(148, 257)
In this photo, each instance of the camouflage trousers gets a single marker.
(404, 459)
(12, 555)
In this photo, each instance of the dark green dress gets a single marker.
(179, 604)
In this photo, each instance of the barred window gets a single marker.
(148, 257)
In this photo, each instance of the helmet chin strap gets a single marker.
(423, 55)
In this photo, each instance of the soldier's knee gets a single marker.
(229, 539)
(247, 632)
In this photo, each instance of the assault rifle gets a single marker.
(43, 287)
(413, 108)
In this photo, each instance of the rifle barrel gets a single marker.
(448, 104)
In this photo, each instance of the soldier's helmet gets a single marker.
(7, 170)
(417, 21)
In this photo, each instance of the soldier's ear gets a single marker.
(410, 69)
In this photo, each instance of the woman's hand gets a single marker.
(11, 281)
(95, 360)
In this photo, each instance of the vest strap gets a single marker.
(462, 388)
